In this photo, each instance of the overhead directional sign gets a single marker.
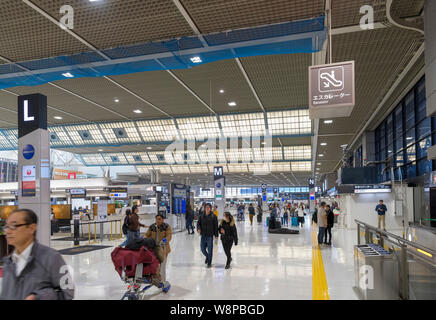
(331, 90)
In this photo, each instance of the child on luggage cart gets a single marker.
(139, 266)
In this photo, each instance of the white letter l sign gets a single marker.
(26, 112)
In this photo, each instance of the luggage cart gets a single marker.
(137, 268)
(134, 291)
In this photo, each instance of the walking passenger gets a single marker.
(189, 218)
(381, 211)
(161, 233)
(322, 222)
(126, 227)
(134, 224)
(207, 227)
(229, 235)
(300, 214)
(286, 213)
(251, 213)
(330, 222)
(33, 271)
(215, 211)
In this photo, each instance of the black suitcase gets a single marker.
(259, 218)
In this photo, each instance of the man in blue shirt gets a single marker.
(381, 211)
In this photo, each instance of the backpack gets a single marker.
(126, 225)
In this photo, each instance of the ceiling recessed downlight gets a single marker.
(58, 118)
(68, 75)
(324, 144)
(117, 100)
(196, 59)
(221, 91)
(328, 121)
(137, 111)
(232, 104)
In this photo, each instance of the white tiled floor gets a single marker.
(265, 266)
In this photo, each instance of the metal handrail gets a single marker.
(401, 241)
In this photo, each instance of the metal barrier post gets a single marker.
(89, 233)
(381, 241)
(367, 235)
(120, 230)
(95, 232)
(404, 274)
(111, 230)
(358, 234)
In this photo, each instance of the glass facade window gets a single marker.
(8, 171)
(405, 135)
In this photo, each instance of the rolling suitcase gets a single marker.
(259, 218)
(294, 221)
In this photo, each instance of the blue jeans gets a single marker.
(131, 235)
(321, 235)
(125, 241)
(189, 225)
(285, 220)
(207, 243)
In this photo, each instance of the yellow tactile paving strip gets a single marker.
(319, 282)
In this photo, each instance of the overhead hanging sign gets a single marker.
(372, 188)
(78, 193)
(331, 90)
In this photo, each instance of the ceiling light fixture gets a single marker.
(328, 121)
(196, 59)
(323, 144)
(68, 75)
(58, 118)
(117, 100)
(232, 104)
(344, 145)
(321, 155)
(221, 91)
(100, 150)
(149, 148)
(137, 111)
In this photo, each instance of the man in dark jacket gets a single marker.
(33, 271)
(330, 222)
(207, 226)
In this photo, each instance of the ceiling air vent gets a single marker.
(85, 134)
(54, 137)
(120, 133)
(137, 158)
(160, 157)
(115, 159)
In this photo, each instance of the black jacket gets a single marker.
(230, 231)
(189, 215)
(251, 210)
(315, 216)
(330, 218)
(208, 225)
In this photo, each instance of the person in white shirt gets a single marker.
(33, 271)
(300, 214)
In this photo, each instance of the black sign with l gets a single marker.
(32, 113)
